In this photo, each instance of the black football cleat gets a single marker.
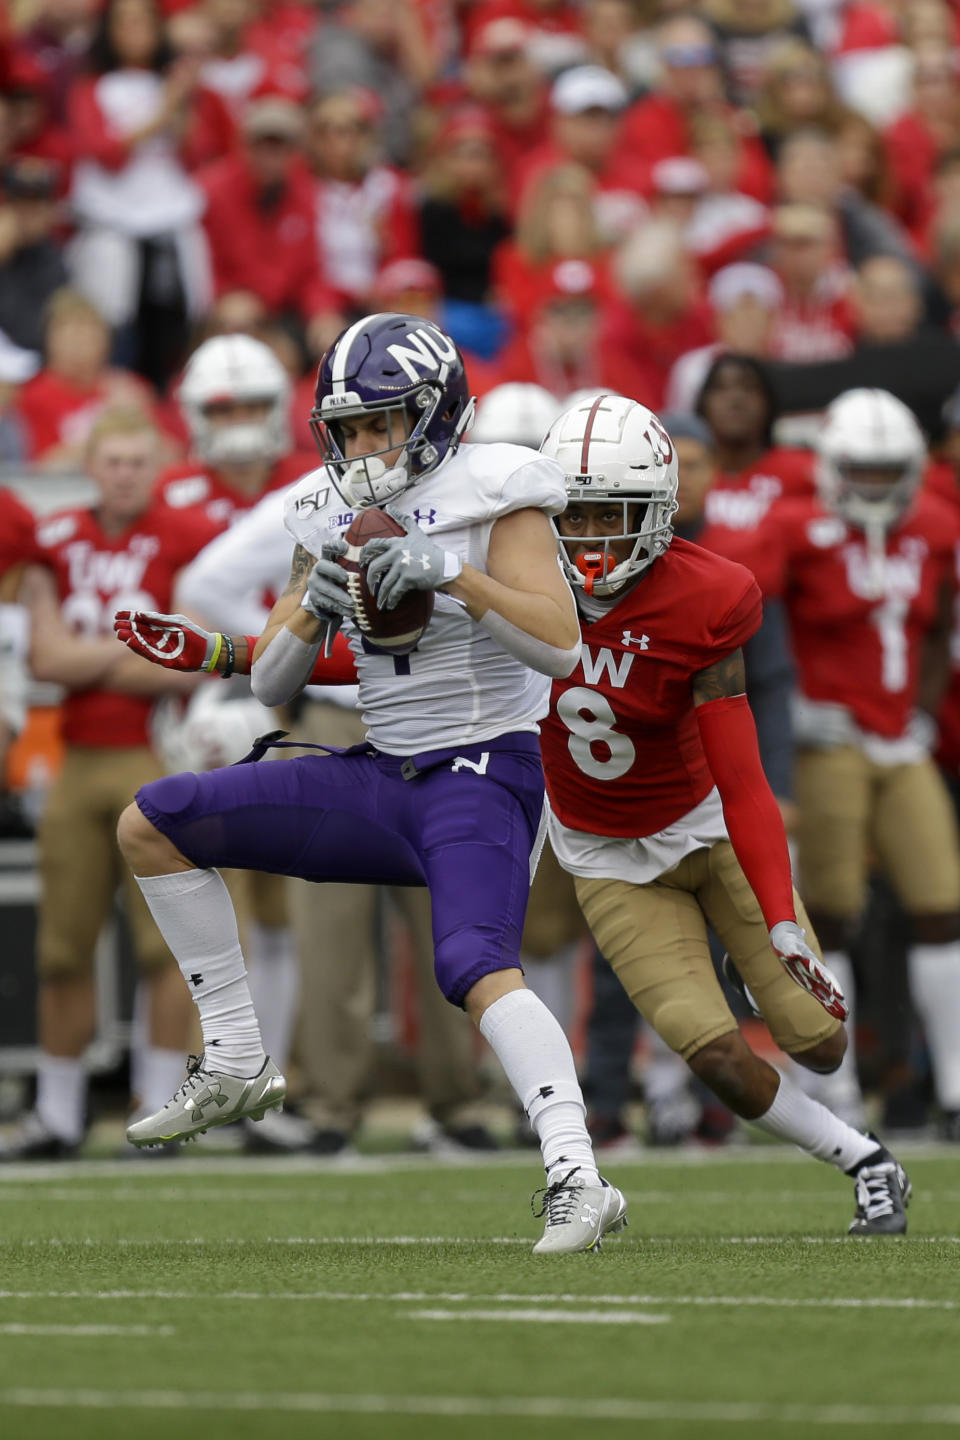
(33, 1140)
(882, 1190)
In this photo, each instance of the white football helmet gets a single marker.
(869, 430)
(515, 414)
(236, 368)
(615, 449)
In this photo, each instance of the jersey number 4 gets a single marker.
(595, 746)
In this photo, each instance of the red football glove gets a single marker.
(169, 640)
(802, 965)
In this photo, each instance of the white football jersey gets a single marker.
(459, 686)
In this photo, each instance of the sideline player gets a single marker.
(868, 579)
(448, 789)
(126, 547)
(658, 801)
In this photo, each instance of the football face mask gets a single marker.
(620, 468)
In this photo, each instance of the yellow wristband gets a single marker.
(212, 662)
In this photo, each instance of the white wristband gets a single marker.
(283, 669)
(537, 654)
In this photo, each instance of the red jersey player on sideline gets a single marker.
(125, 548)
(868, 576)
(235, 397)
(752, 474)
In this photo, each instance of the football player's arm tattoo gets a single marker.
(288, 610)
(300, 567)
(727, 677)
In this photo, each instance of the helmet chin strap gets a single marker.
(593, 566)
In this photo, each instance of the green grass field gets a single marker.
(390, 1298)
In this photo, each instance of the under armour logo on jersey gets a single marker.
(642, 642)
(196, 978)
(425, 517)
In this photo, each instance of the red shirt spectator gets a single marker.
(500, 76)
(60, 405)
(659, 125)
(586, 104)
(816, 320)
(563, 348)
(260, 217)
(661, 314)
(366, 210)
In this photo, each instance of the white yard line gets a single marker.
(454, 1406)
(547, 1317)
(89, 1331)
(451, 1297)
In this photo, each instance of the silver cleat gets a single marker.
(578, 1215)
(208, 1098)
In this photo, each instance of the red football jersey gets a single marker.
(97, 575)
(191, 483)
(853, 647)
(737, 506)
(17, 542)
(621, 745)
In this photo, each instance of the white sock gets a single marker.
(840, 1091)
(62, 1096)
(552, 981)
(273, 965)
(934, 974)
(160, 1074)
(537, 1060)
(194, 914)
(795, 1116)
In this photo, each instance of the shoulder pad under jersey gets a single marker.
(314, 510)
(484, 481)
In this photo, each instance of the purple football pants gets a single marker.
(464, 825)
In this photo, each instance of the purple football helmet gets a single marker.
(407, 373)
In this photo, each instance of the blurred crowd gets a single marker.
(586, 194)
(580, 192)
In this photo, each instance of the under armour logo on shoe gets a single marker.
(590, 1215)
(196, 978)
(212, 1097)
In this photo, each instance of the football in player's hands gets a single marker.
(396, 631)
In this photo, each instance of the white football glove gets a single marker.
(802, 965)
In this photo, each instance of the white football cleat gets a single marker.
(578, 1215)
(207, 1098)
